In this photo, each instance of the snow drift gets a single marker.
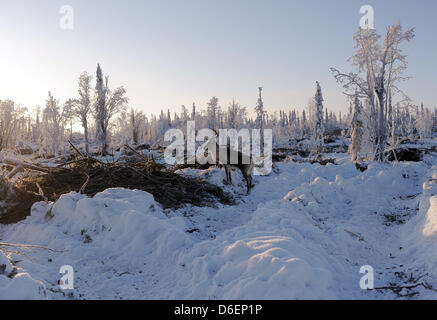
(304, 239)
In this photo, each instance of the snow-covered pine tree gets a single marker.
(99, 111)
(424, 123)
(233, 115)
(318, 121)
(326, 119)
(304, 123)
(260, 113)
(184, 113)
(168, 119)
(213, 112)
(293, 117)
(193, 113)
(259, 110)
(133, 121)
(107, 104)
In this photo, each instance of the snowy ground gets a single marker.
(303, 233)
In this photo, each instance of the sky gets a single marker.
(169, 53)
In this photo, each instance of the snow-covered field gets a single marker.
(303, 233)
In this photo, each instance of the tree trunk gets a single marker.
(85, 129)
(381, 135)
(103, 140)
(71, 130)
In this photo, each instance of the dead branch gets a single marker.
(136, 152)
(75, 149)
(83, 157)
(16, 170)
(355, 235)
(15, 163)
(41, 192)
(85, 184)
(398, 289)
(169, 189)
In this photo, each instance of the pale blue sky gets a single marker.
(168, 53)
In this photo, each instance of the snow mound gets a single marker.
(116, 232)
(266, 267)
(5, 265)
(21, 287)
(420, 235)
(303, 233)
(128, 222)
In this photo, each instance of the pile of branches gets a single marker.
(88, 175)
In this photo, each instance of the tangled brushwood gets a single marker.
(87, 175)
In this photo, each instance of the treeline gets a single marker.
(47, 129)
(379, 116)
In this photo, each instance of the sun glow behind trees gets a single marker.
(286, 53)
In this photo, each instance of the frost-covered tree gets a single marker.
(168, 119)
(99, 111)
(82, 105)
(424, 123)
(68, 112)
(318, 121)
(193, 112)
(235, 115)
(326, 120)
(107, 104)
(123, 131)
(260, 114)
(134, 125)
(213, 113)
(52, 127)
(379, 67)
(13, 124)
(304, 123)
(409, 122)
(7, 110)
(259, 111)
(357, 130)
(184, 114)
(36, 128)
(395, 127)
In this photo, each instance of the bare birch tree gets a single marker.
(82, 106)
(379, 67)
